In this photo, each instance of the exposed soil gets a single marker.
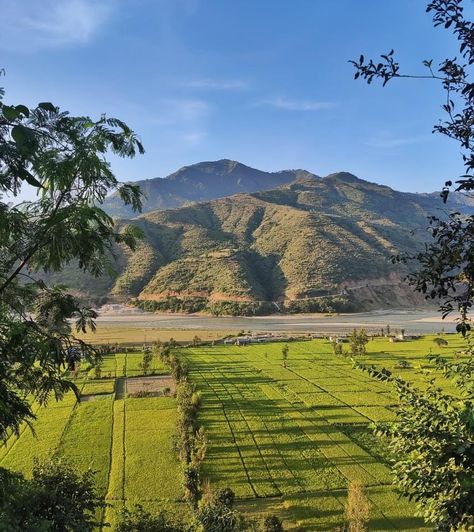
(153, 384)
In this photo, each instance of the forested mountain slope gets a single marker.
(311, 244)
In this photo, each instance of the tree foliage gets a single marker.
(446, 265)
(433, 437)
(358, 340)
(62, 159)
(55, 499)
(284, 354)
(139, 520)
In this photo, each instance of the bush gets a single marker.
(225, 496)
(142, 521)
(403, 364)
(192, 484)
(272, 523)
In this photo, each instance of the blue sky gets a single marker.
(265, 82)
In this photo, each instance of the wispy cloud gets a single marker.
(31, 24)
(395, 142)
(186, 110)
(212, 84)
(297, 105)
(183, 119)
(194, 138)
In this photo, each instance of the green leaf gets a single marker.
(29, 178)
(23, 110)
(10, 113)
(24, 138)
(19, 135)
(47, 106)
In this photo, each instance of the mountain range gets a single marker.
(202, 182)
(228, 239)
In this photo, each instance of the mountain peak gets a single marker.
(202, 181)
(343, 176)
(220, 167)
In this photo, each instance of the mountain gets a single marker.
(310, 244)
(202, 182)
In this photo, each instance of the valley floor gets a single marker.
(287, 440)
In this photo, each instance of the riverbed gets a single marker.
(413, 321)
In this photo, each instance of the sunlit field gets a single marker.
(287, 440)
(123, 334)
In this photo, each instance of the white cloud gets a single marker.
(31, 24)
(297, 105)
(211, 84)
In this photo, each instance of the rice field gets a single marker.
(126, 442)
(287, 440)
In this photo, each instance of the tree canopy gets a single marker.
(63, 160)
(433, 437)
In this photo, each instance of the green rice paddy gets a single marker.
(287, 440)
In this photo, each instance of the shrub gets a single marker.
(142, 521)
(225, 496)
(216, 512)
(403, 364)
(272, 523)
(192, 483)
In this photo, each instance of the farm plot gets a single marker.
(293, 437)
(287, 440)
(126, 442)
(144, 468)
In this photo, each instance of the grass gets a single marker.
(286, 440)
(151, 467)
(301, 433)
(126, 442)
(86, 442)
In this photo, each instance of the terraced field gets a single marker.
(287, 440)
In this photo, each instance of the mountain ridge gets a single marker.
(202, 182)
(311, 244)
(208, 180)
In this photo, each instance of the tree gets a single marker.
(216, 512)
(62, 158)
(358, 340)
(336, 347)
(98, 369)
(57, 498)
(147, 360)
(284, 354)
(225, 496)
(434, 435)
(446, 271)
(172, 342)
(192, 483)
(357, 508)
